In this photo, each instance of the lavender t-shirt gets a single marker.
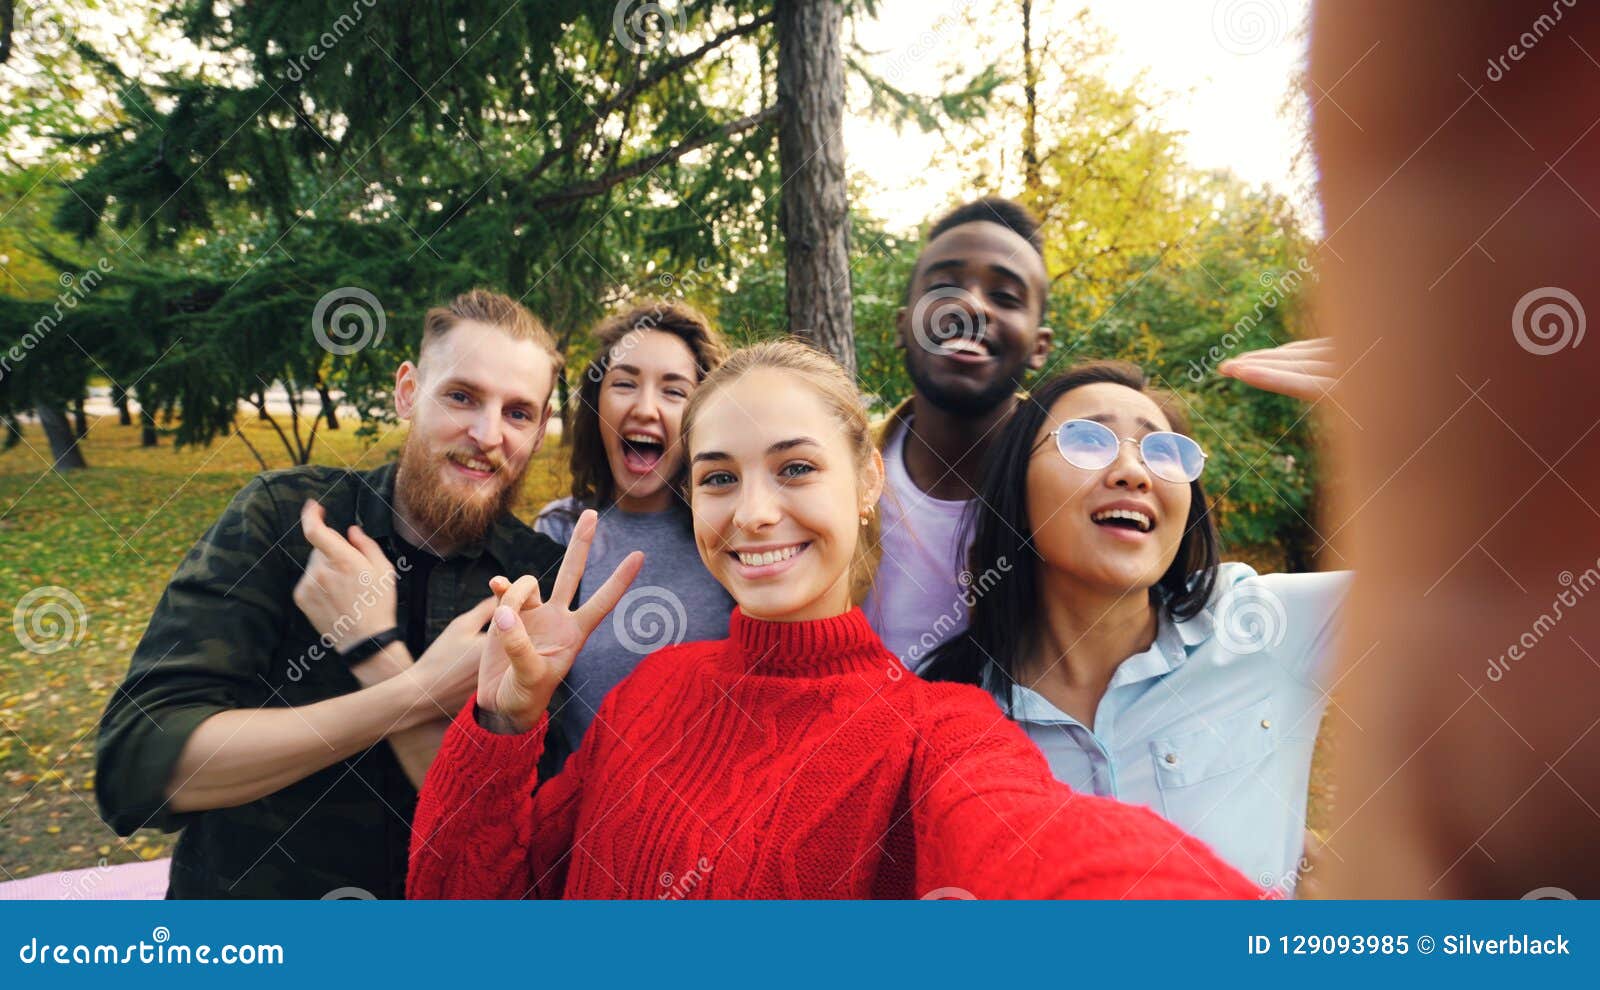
(918, 599)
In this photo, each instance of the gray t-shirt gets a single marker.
(673, 600)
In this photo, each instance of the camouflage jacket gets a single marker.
(227, 635)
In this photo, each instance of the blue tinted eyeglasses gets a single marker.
(1092, 446)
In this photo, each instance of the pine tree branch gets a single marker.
(627, 94)
(642, 166)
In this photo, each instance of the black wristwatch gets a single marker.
(365, 649)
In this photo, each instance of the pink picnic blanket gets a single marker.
(124, 882)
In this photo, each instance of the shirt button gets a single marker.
(1266, 723)
(1171, 758)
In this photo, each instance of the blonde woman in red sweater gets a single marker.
(795, 759)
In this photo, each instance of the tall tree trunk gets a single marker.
(64, 450)
(148, 437)
(80, 419)
(119, 398)
(1031, 182)
(815, 209)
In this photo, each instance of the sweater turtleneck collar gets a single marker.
(839, 644)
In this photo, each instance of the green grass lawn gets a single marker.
(112, 535)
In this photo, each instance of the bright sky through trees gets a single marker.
(1223, 71)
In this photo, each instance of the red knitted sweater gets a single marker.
(790, 760)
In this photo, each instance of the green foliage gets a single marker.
(318, 146)
(1237, 284)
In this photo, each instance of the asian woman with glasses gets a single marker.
(1144, 668)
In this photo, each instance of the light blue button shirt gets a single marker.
(1214, 725)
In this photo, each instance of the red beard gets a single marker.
(445, 516)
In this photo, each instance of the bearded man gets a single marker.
(298, 673)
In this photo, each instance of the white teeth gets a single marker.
(474, 463)
(768, 556)
(1145, 522)
(641, 438)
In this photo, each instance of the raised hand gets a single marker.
(1304, 369)
(348, 588)
(532, 643)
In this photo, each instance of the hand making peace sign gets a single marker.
(524, 660)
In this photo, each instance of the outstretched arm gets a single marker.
(992, 821)
(1458, 188)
